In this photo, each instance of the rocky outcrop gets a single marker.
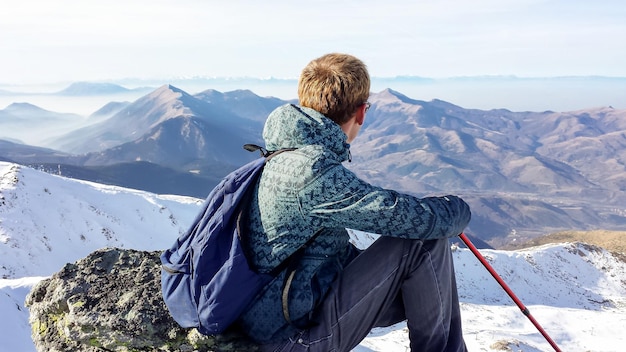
(111, 301)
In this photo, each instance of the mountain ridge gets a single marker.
(38, 233)
(524, 173)
(613, 241)
(151, 117)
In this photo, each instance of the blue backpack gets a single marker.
(206, 280)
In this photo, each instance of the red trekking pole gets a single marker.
(506, 288)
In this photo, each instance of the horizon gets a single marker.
(566, 93)
(50, 87)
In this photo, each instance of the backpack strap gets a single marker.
(291, 262)
(246, 200)
(267, 154)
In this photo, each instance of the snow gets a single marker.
(14, 327)
(576, 292)
(47, 221)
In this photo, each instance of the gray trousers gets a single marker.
(391, 281)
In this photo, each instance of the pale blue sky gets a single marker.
(76, 40)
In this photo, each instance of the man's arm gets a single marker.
(338, 198)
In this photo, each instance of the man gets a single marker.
(333, 295)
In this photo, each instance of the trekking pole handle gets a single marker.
(506, 288)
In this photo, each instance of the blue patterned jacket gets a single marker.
(308, 190)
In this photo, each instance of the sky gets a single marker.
(44, 41)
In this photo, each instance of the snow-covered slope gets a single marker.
(47, 221)
(576, 292)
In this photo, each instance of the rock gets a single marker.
(111, 301)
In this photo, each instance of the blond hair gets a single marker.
(335, 85)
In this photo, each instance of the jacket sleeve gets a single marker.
(338, 198)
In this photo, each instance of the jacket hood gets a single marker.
(292, 126)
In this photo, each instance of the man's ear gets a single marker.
(360, 115)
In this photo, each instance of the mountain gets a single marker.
(242, 103)
(167, 127)
(28, 154)
(31, 124)
(108, 110)
(95, 88)
(141, 175)
(48, 220)
(442, 146)
(524, 173)
(574, 290)
(166, 142)
(614, 241)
